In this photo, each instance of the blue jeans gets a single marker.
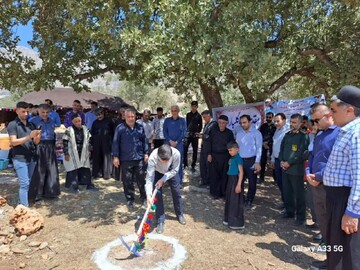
(24, 171)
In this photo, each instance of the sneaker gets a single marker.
(225, 223)
(160, 228)
(237, 228)
(181, 220)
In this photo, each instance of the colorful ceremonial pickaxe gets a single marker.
(133, 248)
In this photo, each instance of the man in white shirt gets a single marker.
(250, 142)
(163, 167)
(281, 129)
(148, 127)
(157, 126)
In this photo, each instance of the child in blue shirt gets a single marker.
(234, 205)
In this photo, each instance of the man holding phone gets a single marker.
(23, 138)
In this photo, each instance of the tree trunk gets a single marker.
(211, 94)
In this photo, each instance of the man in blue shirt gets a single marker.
(342, 183)
(130, 151)
(174, 132)
(53, 114)
(45, 180)
(250, 143)
(323, 144)
(76, 109)
(90, 116)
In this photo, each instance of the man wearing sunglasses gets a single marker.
(323, 144)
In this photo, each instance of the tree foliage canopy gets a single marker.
(254, 47)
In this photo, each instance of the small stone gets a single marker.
(23, 238)
(34, 244)
(28, 256)
(22, 265)
(43, 245)
(2, 239)
(4, 249)
(45, 256)
(17, 250)
(2, 201)
(10, 236)
(2, 233)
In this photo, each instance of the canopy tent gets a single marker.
(64, 97)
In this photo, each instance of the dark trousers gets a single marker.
(349, 257)
(294, 195)
(263, 161)
(319, 199)
(194, 141)
(45, 179)
(234, 205)
(81, 176)
(101, 159)
(310, 201)
(158, 143)
(251, 176)
(278, 177)
(176, 196)
(133, 171)
(218, 174)
(204, 167)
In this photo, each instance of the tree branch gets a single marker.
(319, 53)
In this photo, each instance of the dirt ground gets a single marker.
(77, 225)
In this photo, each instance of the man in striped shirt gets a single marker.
(342, 183)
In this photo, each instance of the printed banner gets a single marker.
(255, 110)
(289, 107)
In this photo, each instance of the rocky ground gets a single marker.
(75, 226)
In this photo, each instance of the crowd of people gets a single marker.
(323, 151)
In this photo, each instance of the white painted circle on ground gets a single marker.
(100, 256)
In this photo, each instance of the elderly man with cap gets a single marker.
(102, 134)
(219, 156)
(194, 126)
(342, 183)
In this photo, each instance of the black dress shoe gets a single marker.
(182, 220)
(317, 237)
(312, 226)
(91, 187)
(248, 205)
(130, 204)
(287, 215)
(160, 228)
(320, 265)
(74, 190)
(299, 222)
